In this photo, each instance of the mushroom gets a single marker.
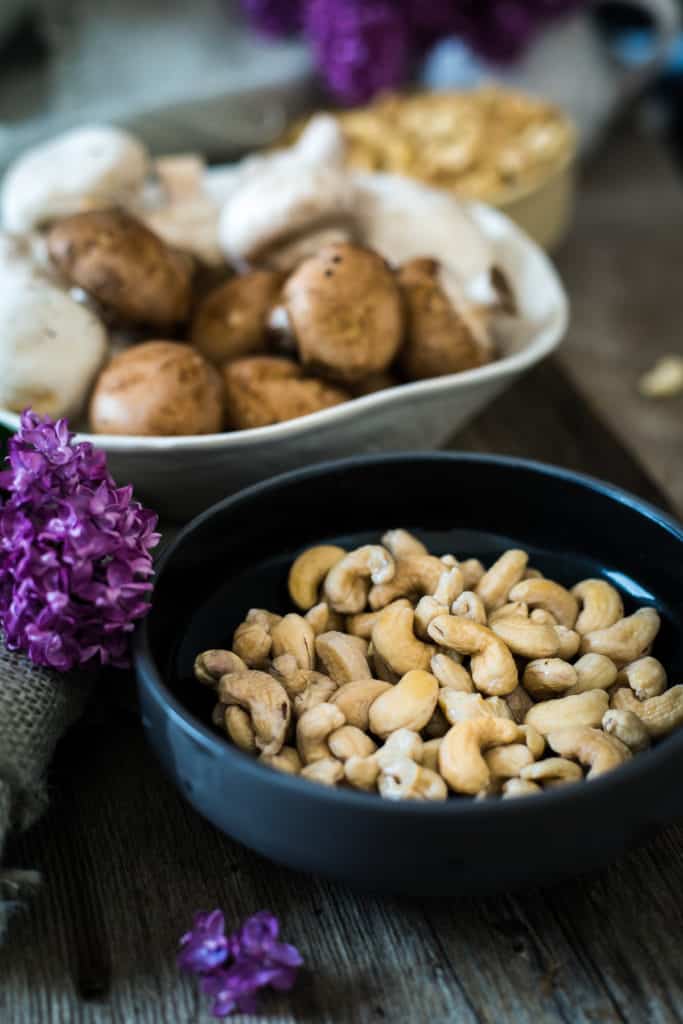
(345, 311)
(124, 266)
(231, 321)
(261, 390)
(157, 388)
(442, 336)
(87, 169)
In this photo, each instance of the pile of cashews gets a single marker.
(414, 676)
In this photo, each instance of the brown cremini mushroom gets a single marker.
(440, 338)
(231, 321)
(157, 388)
(345, 311)
(261, 390)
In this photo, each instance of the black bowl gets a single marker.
(236, 556)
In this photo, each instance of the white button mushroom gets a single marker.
(86, 169)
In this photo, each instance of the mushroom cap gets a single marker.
(345, 310)
(86, 169)
(440, 338)
(231, 321)
(157, 388)
(262, 390)
(124, 265)
(50, 346)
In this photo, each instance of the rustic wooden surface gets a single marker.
(127, 862)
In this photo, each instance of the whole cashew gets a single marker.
(550, 596)
(450, 674)
(450, 586)
(469, 606)
(407, 705)
(417, 574)
(583, 709)
(519, 703)
(461, 707)
(266, 701)
(209, 666)
(312, 731)
(552, 771)
(625, 641)
(548, 677)
(287, 761)
(350, 741)
(308, 572)
(293, 635)
(326, 770)
(568, 641)
(646, 677)
(601, 605)
(507, 762)
(492, 666)
(239, 728)
(593, 672)
(628, 728)
(343, 657)
(519, 787)
(395, 642)
(543, 616)
(322, 619)
(495, 585)
(591, 747)
(660, 715)
(346, 584)
(511, 610)
(461, 760)
(403, 544)
(363, 623)
(472, 572)
(426, 609)
(403, 779)
(252, 643)
(363, 772)
(526, 638)
(354, 700)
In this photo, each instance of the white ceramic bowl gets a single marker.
(181, 476)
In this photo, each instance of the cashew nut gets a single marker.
(449, 587)
(266, 701)
(403, 544)
(322, 619)
(526, 638)
(343, 657)
(546, 677)
(430, 754)
(660, 715)
(544, 616)
(472, 572)
(252, 643)
(533, 574)
(395, 642)
(469, 606)
(460, 707)
(417, 574)
(450, 674)
(426, 609)
(593, 672)
(350, 741)
(519, 787)
(346, 584)
(625, 641)
(507, 762)
(513, 609)
(354, 700)
(498, 706)
(627, 727)
(582, 709)
(403, 779)
(407, 705)
(293, 635)
(326, 770)
(601, 605)
(534, 741)
(591, 747)
(646, 677)
(461, 760)
(495, 585)
(263, 617)
(318, 690)
(568, 642)
(239, 728)
(550, 596)
(209, 666)
(308, 572)
(552, 771)
(312, 731)
(492, 666)
(363, 772)
(287, 761)
(519, 703)
(363, 623)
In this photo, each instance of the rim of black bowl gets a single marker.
(646, 761)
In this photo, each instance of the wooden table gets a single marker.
(127, 862)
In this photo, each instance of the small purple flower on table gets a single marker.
(205, 946)
(75, 551)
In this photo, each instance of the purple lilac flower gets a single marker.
(205, 946)
(360, 47)
(75, 550)
(274, 18)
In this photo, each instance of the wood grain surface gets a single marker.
(126, 862)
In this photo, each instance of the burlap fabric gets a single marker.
(36, 707)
